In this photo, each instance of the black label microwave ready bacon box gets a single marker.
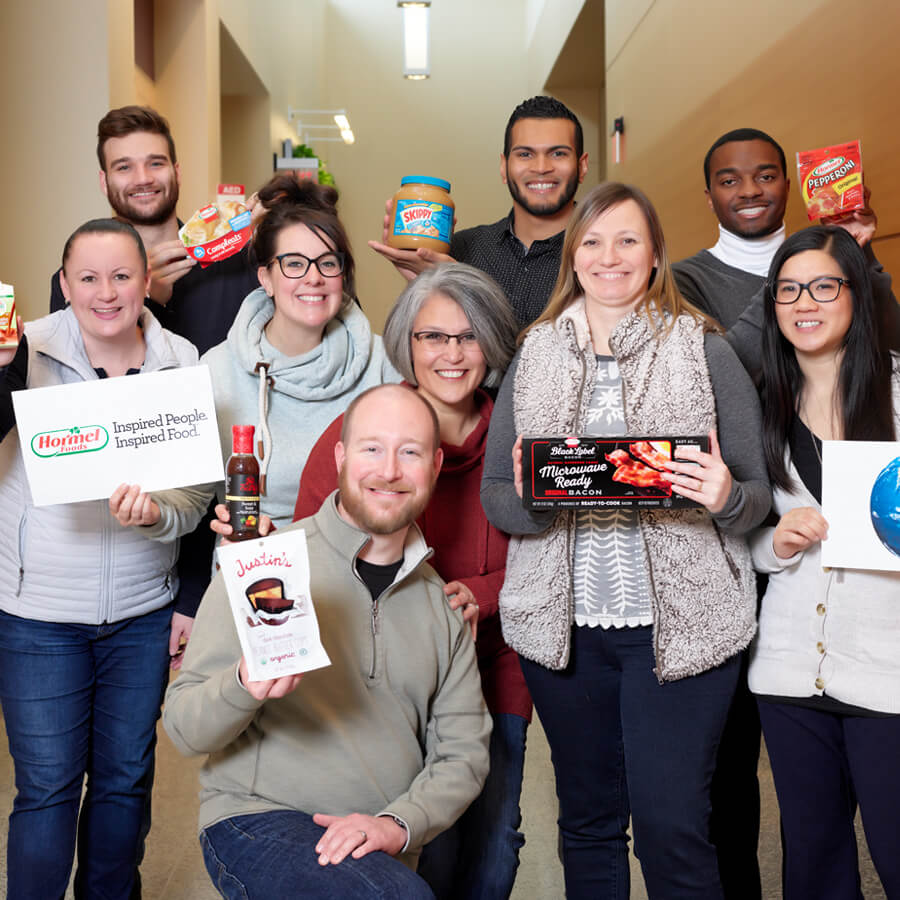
(576, 472)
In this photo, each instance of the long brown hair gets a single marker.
(663, 296)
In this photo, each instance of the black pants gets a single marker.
(734, 823)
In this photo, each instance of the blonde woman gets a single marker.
(629, 625)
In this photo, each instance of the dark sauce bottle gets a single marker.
(242, 485)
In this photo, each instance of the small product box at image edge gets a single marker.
(576, 472)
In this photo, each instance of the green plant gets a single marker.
(304, 151)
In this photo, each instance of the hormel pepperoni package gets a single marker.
(576, 472)
(832, 181)
(219, 230)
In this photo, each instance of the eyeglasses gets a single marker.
(296, 265)
(822, 290)
(435, 339)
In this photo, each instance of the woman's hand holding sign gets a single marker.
(131, 507)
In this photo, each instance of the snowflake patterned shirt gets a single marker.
(610, 570)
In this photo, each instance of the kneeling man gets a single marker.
(326, 784)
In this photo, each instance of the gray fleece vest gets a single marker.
(703, 588)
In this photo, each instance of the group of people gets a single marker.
(645, 640)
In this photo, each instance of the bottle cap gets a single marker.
(242, 438)
(425, 179)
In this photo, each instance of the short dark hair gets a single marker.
(864, 376)
(289, 201)
(743, 134)
(105, 226)
(359, 398)
(127, 120)
(543, 107)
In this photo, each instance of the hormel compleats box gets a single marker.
(9, 333)
(831, 180)
(219, 230)
(574, 472)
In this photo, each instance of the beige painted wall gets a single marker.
(548, 24)
(684, 73)
(187, 92)
(283, 42)
(450, 126)
(55, 87)
(318, 53)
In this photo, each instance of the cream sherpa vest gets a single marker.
(704, 595)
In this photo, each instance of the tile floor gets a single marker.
(173, 867)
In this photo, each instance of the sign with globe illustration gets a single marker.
(884, 506)
(861, 503)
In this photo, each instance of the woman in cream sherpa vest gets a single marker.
(629, 624)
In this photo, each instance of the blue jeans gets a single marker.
(823, 764)
(477, 858)
(80, 700)
(625, 745)
(272, 855)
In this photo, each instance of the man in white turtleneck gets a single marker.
(747, 188)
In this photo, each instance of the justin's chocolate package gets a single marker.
(574, 472)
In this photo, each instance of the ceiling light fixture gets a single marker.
(416, 64)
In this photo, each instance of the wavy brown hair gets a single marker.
(663, 296)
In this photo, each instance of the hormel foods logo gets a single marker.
(828, 166)
(66, 441)
(572, 442)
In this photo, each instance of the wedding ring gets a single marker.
(365, 836)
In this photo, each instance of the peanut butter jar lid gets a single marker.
(425, 179)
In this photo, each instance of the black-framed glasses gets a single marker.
(825, 289)
(466, 339)
(296, 265)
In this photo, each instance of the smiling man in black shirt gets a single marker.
(542, 164)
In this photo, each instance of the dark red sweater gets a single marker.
(466, 547)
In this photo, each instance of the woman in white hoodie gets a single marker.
(86, 595)
(300, 348)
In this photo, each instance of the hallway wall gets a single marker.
(809, 72)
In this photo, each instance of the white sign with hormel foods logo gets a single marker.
(81, 441)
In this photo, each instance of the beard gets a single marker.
(159, 215)
(543, 208)
(368, 517)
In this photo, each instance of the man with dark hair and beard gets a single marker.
(542, 163)
(334, 780)
(140, 176)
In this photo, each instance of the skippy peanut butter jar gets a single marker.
(831, 180)
(423, 214)
(219, 230)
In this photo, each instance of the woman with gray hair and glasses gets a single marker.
(450, 334)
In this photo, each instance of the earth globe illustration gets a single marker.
(884, 506)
